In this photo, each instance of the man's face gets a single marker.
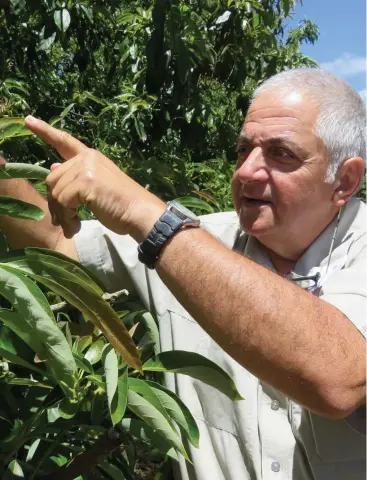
(278, 186)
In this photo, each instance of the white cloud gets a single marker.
(346, 65)
(363, 94)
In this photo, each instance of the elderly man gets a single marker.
(274, 293)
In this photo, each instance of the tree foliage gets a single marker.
(161, 87)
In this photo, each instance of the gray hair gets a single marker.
(341, 121)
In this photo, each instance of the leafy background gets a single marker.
(159, 87)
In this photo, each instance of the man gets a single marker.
(279, 303)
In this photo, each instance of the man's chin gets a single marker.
(256, 229)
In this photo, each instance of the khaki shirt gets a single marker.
(266, 436)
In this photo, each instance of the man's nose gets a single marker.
(254, 168)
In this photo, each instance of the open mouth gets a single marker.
(255, 201)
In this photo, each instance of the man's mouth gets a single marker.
(255, 201)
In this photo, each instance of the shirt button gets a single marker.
(275, 466)
(275, 405)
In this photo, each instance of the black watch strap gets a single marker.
(164, 228)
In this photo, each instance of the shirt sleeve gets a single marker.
(346, 288)
(104, 252)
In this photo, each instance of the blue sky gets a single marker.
(341, 47)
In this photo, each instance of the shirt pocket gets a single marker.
(325, 440)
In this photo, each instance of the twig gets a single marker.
(111, 298)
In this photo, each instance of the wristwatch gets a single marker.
(174, 217)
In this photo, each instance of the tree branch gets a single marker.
(82, 463)
(111, 298)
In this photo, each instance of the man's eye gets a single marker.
(280, 152)
(243, 149)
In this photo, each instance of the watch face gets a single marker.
(181, 211)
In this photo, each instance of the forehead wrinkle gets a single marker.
(281, 111)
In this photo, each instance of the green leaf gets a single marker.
(141, 387)
(255, 19)
(94, 353)
(139, 127)
(17, 5)
(81, 343)
(147, 434)
(177, 410)
(149, 414)
(34, 323)
(16, 351)
(68, 409)
(11, 84)
(88, 12)
(97, 408)
(66, 110)
(83, 363)
(147, 321)
(69, 280)
(119, 401)
(223, 18)
(11, 127)
(32, 450)
(13, 207)
(194, 202)
(15, 470)
(12, 121)
(116, 387)
(28, 382)
(111, 369)
(17, 360)
(95, 99)
(196, 366)
(286, 7)
(62, 19)
(112, 471)
(45, 43)
(23, 170)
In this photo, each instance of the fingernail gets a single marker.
(30, 119)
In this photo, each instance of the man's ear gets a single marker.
(348, 180)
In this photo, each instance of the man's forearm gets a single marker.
(285, 336)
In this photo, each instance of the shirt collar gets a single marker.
(323, 256)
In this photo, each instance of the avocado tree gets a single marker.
(161, 87)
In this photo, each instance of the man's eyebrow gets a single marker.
(279, 140)
(243, 139)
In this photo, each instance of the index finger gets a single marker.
(67, 146)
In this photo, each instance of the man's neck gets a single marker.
(285, 254)
(281, 264)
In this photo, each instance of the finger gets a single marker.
(67, 218)
(53, 207)
(65, 144)
(69, 196)
(54, 166)
(57, 185)
(71, 227)
(57, 172)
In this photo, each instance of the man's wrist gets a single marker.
(145, 219)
